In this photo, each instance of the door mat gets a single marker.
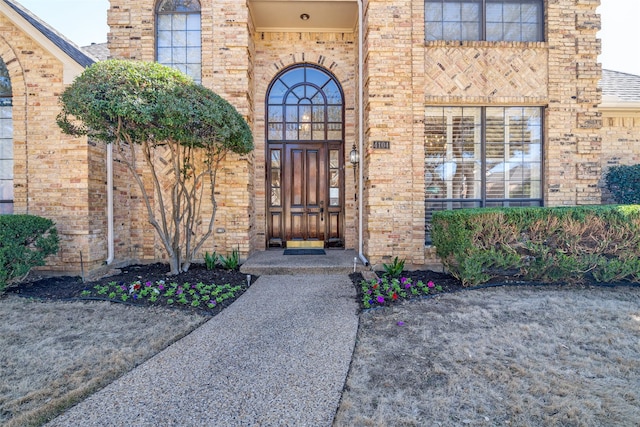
(304, 252)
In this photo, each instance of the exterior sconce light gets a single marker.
(305, 17)
(354, 157)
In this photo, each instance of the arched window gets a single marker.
(178, 36)
(6, 142)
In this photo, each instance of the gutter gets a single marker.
(360, 133)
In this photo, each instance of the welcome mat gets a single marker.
(304, 252)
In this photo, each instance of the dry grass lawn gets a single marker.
(518, 356)
(55, 353)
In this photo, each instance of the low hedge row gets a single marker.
(25, 242)
(567, 244)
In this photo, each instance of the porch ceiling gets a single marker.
(284, 15)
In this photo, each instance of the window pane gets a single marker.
(317, 77)
(332, 93)
(471, 12)
(511, 12)
(164, 23)
(277, 92)
(275, 113)
(318, 132)
(275, 131)
(193, 22)
(193, 39)
(451, 12)
(6, 208)
(530, 33)
(179, 21)
(193, 55)
(433, 11)
(451, 31)
(434, 31)
(6, 169)
(292, 113)
(6, 149)
(334, 159)
(164, 39)
(335, 114)
(6, 190)
(494, 12)
(511, 32)
(470, 31)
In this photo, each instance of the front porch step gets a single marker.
(274, 262)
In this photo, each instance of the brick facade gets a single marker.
(51, 171)
(403, 75)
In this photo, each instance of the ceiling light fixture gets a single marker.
(305, 17)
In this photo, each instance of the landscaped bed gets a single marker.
(503, 355)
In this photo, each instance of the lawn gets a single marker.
(56, 353)
(519, 356)
(511, 355)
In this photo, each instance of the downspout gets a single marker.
(360, 133)
(110, 238)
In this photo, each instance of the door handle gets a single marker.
(322, 211)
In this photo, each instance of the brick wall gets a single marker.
(51, 170)
(226, 65)
(403, 74)
(620, 141)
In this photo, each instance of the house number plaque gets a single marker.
(381, 145)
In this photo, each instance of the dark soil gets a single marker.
(71, 288)
(67, 288)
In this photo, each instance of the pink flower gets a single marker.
(430, 284)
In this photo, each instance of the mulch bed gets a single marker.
(67, 288)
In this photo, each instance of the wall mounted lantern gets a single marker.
(354, 157)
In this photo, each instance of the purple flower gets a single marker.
(403, 280)
(370, 301)
(124, 288)
(179, 291)
(148, 284)
(400, 323)
(380, 299)
(161, 287)
(369, 291)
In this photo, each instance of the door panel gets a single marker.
(307, 189)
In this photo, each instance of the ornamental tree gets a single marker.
(150, 111)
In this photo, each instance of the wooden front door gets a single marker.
(305, 158)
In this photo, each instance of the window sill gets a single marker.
(485, 44)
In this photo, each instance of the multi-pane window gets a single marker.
(178, 38)
(491, 20)
(482, 157)
(6, 142)
(305, 104)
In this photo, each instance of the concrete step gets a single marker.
(274, 262)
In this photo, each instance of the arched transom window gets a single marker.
(178, 38)
(6, 141)
(305, 104)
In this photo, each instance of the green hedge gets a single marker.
(624, 183)
(544, 244)
(25, 242)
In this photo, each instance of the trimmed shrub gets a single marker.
(547, 244)
(624, 183)
(25, 242)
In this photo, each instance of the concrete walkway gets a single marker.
(278, 356)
